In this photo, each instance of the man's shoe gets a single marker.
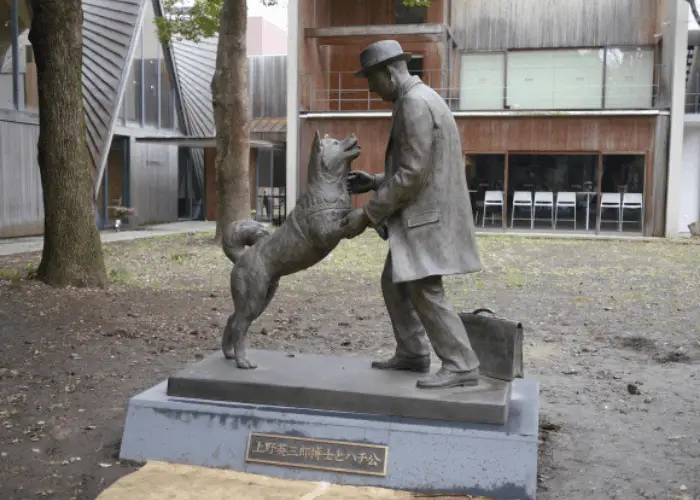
(443, 379)
(419, 364)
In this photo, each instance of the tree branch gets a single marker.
(694, 10)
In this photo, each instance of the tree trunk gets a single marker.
(230, 102)
(72, 253)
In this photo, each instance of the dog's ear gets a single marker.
(316, 145)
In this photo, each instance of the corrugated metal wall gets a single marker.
(21, 204)
(520, 24)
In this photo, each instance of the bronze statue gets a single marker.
(306, 237)
(421, 205)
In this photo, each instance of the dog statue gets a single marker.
(310, 232)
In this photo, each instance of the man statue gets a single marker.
(421, 205)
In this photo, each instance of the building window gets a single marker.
(133, 94)
(149, 99)
(485, 178)
(614, 78)
(29, 82)
(415, 66)
(18, 75)
(482, 78)
(557, 192)
(167, 98)
(555, 79)
(404, 14)
(26, 78)
(629, 78)
(6, 98)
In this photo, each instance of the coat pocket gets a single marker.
(430, 217)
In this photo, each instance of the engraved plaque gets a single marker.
(320, 454)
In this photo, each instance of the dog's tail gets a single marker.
(241, 234)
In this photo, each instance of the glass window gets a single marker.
(482, 77)
(29, 77)
(405, 14)
(151, 67)
(167, 98)
(133, 97)
(485, 174)
(578, 79)
(555, 79)
(6, 99)
(561, 179)
(629, 78)
(623, 182)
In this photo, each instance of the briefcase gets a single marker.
(497, 342)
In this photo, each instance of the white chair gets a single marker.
(609, 201)
(522, 199)
(545, 199)
(565, 200)
(631, 201)
(492, 199)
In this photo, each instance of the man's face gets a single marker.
(380, 83)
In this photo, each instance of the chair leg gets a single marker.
(483, 217)
(532, 217)
(556, 216)
(620, 215)
(512, 214)
(551, 214)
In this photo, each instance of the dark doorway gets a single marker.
(116, 183)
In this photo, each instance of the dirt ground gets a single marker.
(612, 334)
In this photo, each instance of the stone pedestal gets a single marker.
(335, 419)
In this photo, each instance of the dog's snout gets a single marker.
(351, 143)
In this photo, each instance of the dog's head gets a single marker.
(331, 158)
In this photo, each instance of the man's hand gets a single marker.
(360, 182)
(354, 223)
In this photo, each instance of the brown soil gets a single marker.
(599, 317)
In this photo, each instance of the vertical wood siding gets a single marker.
(21, 204)
(154, 182)
(520, 24)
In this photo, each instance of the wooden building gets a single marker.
(571, 97)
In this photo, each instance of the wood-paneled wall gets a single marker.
(511, 24)
(21, 203)
(607, 135)
(500, 135)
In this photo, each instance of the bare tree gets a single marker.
(694, 10)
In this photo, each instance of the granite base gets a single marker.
(423, 455)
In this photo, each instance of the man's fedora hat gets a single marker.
(380, 54)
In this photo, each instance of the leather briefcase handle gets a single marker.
(482, 310)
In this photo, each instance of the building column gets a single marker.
(293, 43)
(678, 30)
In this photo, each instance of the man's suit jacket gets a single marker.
(423, 198)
